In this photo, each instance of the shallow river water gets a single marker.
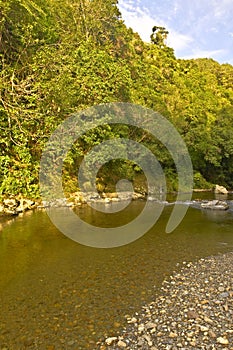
(58, 294)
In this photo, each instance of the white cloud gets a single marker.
(196, 29)
(198, 53)
(178, 41)
(139, 19)
(142, 22)
(221, 8)
(214, 30)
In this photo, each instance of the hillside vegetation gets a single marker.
(58, 57)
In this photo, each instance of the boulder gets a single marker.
(215, 205)
(56, 203)
(9, 206)
(137, 195)
(25, 204)
(10, 203)
(15, 206)
(1, 208)
(110, 195)
(220, 190)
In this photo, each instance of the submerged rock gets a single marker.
(187, 313)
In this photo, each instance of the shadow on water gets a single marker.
(56, 292)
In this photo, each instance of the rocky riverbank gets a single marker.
(13, 206)
(194, 310)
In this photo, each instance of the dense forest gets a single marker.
(58, 57)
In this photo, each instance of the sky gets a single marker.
(197, 28)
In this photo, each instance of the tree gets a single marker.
(159, 36)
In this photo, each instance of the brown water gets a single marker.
(58, 294)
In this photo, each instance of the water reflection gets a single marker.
(55, 291)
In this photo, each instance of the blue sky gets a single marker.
(197, 28)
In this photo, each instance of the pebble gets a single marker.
(212, 334)
(192, 314)
(132, 320)
(110, 340)
(193, 310)
(224, 295)
(121, 344)
(71, 342)
(141, 328)
(173, 335)
(222, 341)
(204, 329)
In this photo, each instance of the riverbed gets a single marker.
(58, 294)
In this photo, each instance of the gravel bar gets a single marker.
(194, 310)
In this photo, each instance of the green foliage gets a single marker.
(58, 57)
(158, 36)
(200, 181)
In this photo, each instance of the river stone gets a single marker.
(215, 205)
(208, 320)
(140, 342)
(220, 189)
(111, 340)
(173, 335)
(150, 325)
(204, 329)
(133, 320)
(212, 334)
(110, 195)
(121, 344)
(224, 295)
(192, 314)
(71, 342)
(222, 341)
(196, 317)
(10, 212)
(10, 203)
(221, 289)
(141, 328)
(25, 204)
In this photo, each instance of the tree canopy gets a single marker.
(57, 57)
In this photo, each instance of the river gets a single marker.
(58, 294)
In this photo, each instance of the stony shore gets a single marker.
(193, 310)
(15, 205)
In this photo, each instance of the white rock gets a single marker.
(222, 341)
(110, 340)
(148, 339)
(220, 189)
(121, 344)
(10, 203)
(132, 320)
(173, 335)
(141, 328)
